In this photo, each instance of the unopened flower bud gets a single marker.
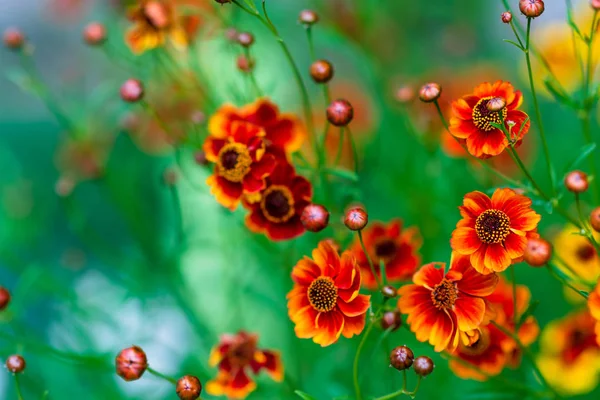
(401, 358)
(595, 4)
(430, 92)
(391, 320)
(423, 366)
(321, 71)
(170, 176)
(506, 17)
(576, 181)
(308, 17)
(15, 364)
(231, 34)
(246, 39)
(223, 1)
(595, 219)
(132, 90)
(404, 94)
(188, 387)
(198, 117)
(314, 217)
(538, 252)
(94, 34)
(340, 112)
(531, 8)
(389, 291)
(14, 39)
(4, 298)
(131, 363)
(245, 64)
(200, 158)
(356, 218)
(496, 104)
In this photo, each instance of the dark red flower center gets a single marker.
(483, 117)
(242, 353)
(492, 226)
(578, 341)
(385, 249)
(586, 252)
(479, 342)
(444, 295)
(234, 162)
(322, 294)
(277, 204)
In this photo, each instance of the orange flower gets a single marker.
(282, 131)
(472, 120)
(440, 305)
(236, 356)
(155, 21)
(84, 158)
(594, 306)
(487, 348)
(494, 231)
(325, 301)
(241, 164)
(277, 209)
(396, 247)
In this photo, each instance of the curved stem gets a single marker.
(565, 282)
(357, 358)
(162, 376)
(364, 248)
(18, 387)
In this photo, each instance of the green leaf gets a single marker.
(528, 312)
(342, 173)
(583, 154)
(559, 96)
(517, 45)
(304, 396)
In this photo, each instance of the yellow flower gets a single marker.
(578, 254)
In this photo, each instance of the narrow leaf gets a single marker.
(342, 173)
(304, 396)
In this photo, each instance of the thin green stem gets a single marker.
(18, 387)
(357, 358)
(162, 376)
(512, 25)
(564, 281)
(354, 150)
(402, 391)
(362, 244)
(251, 74)
(311, 45)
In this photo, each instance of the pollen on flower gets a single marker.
(483, 117)
(234, 162)
(492, 226)
(444, 295)
(277, 204)
(322, 294)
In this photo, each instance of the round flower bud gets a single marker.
(595, 4)
(506, 17)
(308, 17)
(15, 364)
(188, 387)
(4, 298)
(131, 363)
(538, 252)
(356, 218)
(423, 366)
(496, 104)
(94, 34)
(401, 358)
(531, 8)
(340, 112)
(14, 38)
(391, 320)
(200, 158)
(132, 90)
(576, 181)
(315, 217)
(321, 71)
(430, 92)
(245, 64)
(246, 39)
(170, 176)
(404, 94)
(198, 117)
(389, 291)
(231, 34)
(595, 219)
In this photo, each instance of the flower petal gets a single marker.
(428, 276)
(469, 312)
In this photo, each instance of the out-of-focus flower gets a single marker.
(155, 21)
(13, 38)
(578, 254)
(241, 164)
(487, 348)
(277, 210)
(595, 219)
(440, 305)
(494, 232)
(325, 301)
(396, 247)
(594, 307)
(569, 354)
(236, 357)
(472, 120)
(4, 298)
(84, 158)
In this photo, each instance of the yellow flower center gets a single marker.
(444, 295)
(277, 204)
(234, 162)
(483, 117)
(492, 226)
(322, 294)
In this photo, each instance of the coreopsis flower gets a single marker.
(325, 302)
(395, 246)
(577, 257)
(241, 164)
(594, 307)
(276, 211)
(494, 232)
(155, 22)
(237, 357)
(84, 158)
(473, 121)
(283, 131)
(569, 354)
(442, 304)
(488, 349)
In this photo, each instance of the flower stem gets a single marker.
(564, 281)
(357, 358)
(162, 376)
(364, 248)
(402, 391)
(18, 388)
(354, 150)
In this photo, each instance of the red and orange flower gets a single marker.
(487, 348)
(391, 244)
(594, 306)
(241, 164)
(494, 232)
(283, 131)
(473, 121)
(155, 21)
(440, 305)
(276, 210)
(325, 301)
(236, 356)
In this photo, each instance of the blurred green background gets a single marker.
(104, 267)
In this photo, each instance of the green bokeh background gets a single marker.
(103, 268)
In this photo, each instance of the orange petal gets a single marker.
(428, 276)
(469, 312)
(465, 241)
(497, 258)
(356, 307)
